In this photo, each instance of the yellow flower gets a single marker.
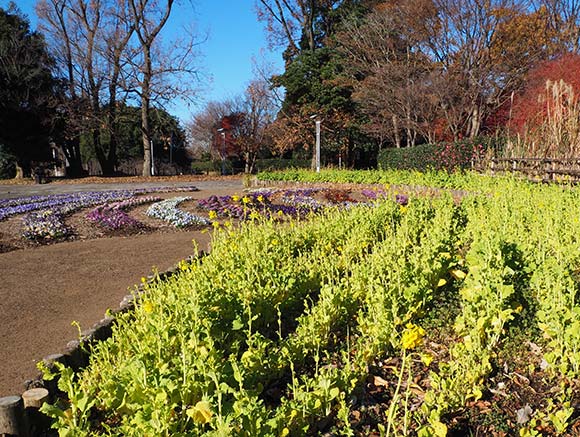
(216, 225)
(235, 197)
(148, 307)
(403, 209)
(280, 213)
(260, 198)
(254, 215)
(200, 413)
(458, 274)
(412, 336)
(246, 199)
(426, 359)
(212, 215)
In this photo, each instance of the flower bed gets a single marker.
(167, 210)
(431, 319)
(113, 216)
(44, 225)
(75, 201)
(45, 220)
(274, 203)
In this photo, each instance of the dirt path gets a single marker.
(44, 289)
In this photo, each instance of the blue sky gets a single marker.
(234, 37)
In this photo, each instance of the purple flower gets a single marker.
(402, 199)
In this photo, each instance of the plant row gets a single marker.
(280, 329)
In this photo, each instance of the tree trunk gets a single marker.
(247, 165)
(112, 124)
(475, 123)
(19, 170)
(145, 102)
(96, 136)
(73, 156)
(112, 155)
(396, 131)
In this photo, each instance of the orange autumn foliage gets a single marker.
(528, 108)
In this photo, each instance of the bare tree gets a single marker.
(55, 23)
(463, 46)
(564, 21)
(90, 37)
(119, 32)
(391, 74)
(256, 111)
(158, 67)
(202, 129)
(424, 68)
(287, 21)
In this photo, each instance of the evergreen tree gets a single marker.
(26, 90)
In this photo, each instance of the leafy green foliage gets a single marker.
(440, 156)
(275, 331)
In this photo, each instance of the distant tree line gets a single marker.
(398, 73)
(75, 83)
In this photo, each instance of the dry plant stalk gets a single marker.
(554, 132)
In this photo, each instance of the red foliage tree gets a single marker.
(528, 107)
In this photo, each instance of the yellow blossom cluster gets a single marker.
(412, 336)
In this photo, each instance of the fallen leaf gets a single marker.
(378, 381)
(524, 414)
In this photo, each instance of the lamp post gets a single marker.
(152, 159)
(317, 148)
(222, 131)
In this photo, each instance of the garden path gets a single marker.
(44, 289)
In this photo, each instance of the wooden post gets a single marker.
(35, 397)
(12, 419)
(33, 400)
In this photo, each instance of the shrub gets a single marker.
(441, 156)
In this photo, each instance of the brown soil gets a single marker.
(44, 288)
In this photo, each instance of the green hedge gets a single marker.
(201, 167)
(418, 158)
(448, 156)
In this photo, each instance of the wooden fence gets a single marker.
(544, 169)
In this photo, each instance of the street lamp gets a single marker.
(317, 149)
(152, 158)
(223, 132)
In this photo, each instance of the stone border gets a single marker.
(20, 415)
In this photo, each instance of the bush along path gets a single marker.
(432, 318)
